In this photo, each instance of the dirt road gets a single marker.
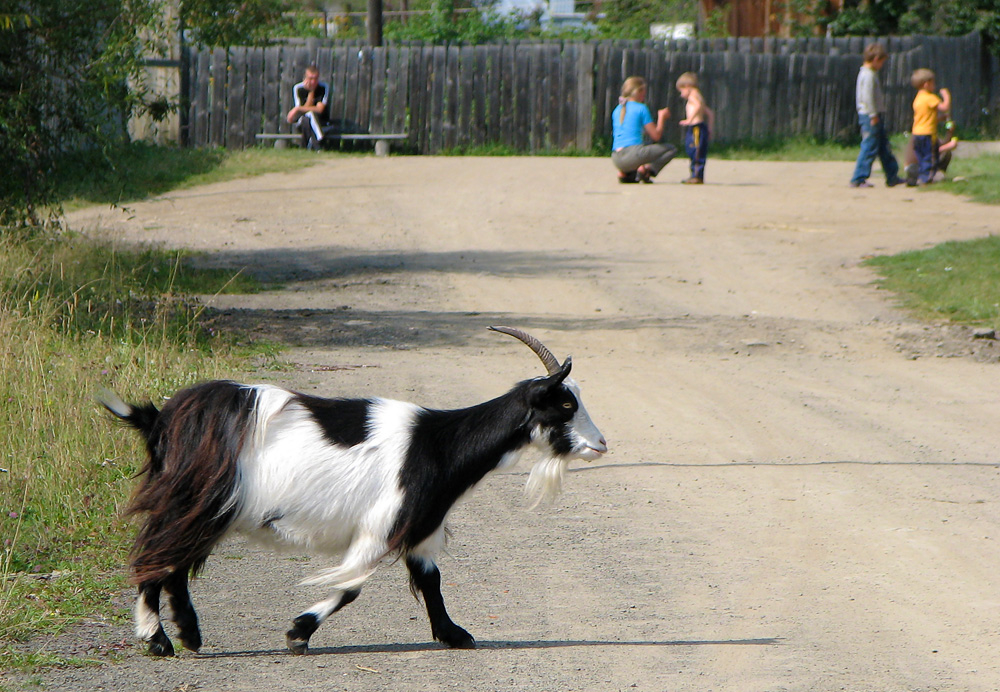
(802, 490)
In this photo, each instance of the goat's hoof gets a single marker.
(159, 644)
(192, 641)
(456, 638)
(299, 647)
(297, 638)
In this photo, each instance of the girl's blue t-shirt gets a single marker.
(628, 133)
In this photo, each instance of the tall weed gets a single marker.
(75, 316)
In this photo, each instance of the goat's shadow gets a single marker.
(495, 645)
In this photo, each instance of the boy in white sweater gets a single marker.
(871, 109)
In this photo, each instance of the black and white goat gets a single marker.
(361, 478)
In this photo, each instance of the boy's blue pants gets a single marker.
(696, 143)
(874, 142)
(924, 148)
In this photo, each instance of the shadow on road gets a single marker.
(494, 645)
(403, 329)
(281, 265)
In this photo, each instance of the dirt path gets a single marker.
(802, 489)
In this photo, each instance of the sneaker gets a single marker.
(629, 177)
(894, 182)
(692, 181)
(863, 183)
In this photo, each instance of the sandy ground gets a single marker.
(802, 489)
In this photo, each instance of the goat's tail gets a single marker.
(142, 417)
(189, 493)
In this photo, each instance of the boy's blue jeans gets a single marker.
(925, 150)
(874, 142)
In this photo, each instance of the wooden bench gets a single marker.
(381, 140)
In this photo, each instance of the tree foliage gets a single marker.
(224, 23)
(632, 18)
(445, 24)
(933, 17)
(66, 67)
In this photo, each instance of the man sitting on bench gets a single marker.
(309, 112)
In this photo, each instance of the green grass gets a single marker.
(773, 149)
(138, 170)
(977, 178)
(75, 316)
(787, 149)
(84, 286)
(955, 281)
(499, 149)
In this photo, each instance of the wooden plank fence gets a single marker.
(532, 97)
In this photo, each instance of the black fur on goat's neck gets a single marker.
(451, 451)
(187, 490)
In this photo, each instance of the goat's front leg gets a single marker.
(347, 577)
(425, 577)
(304, 625)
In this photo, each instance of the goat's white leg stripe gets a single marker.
(147, 621)
(322, 610)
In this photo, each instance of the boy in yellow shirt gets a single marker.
(926, 106)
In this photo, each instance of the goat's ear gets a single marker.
(541, 387)
(564, 370)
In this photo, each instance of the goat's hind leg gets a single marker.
(184, 614)
(425, 577)
(147, 619)
(304, 625)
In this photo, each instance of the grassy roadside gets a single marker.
(785, 149)
(955, 281)
(76, 315)
(977, 178)
(139, 170)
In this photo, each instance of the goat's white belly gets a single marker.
(289, 535)
(301, 491)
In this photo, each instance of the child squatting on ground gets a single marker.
(698, 122)
(630, 121)
(924, 133)
(871, 109)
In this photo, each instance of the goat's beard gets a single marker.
(545, 481)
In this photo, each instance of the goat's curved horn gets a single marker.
(548, 360)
